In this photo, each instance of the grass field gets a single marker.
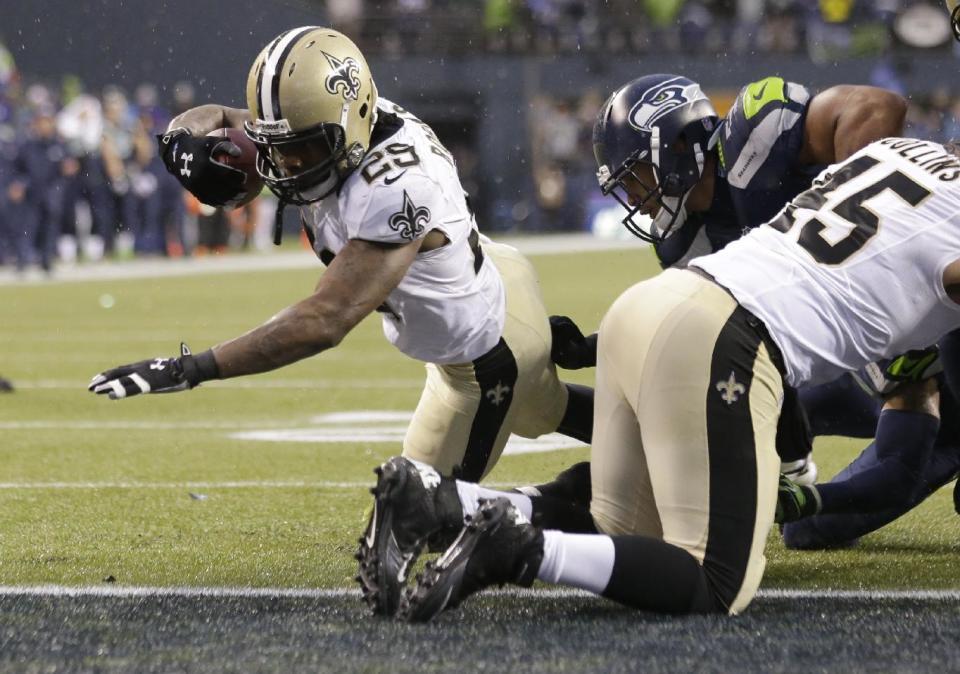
(160, 491)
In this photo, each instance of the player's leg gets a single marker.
(907, 462)
(460, 427)
(545, 404)
(708, 418)
(840, 407)
(713, 480)
(517, 547)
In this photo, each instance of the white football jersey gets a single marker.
(449, 307)
(851, 271)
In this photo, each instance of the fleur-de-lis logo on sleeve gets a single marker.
(410, 221)
(344, 77)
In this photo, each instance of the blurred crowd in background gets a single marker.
(822, 29)
(80, 179)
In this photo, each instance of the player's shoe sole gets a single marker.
(383, 565)
(493, 548)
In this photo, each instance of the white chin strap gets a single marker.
(677, 205)
(664, 219)
(322, 189)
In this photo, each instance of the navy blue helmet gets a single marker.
(641, 123)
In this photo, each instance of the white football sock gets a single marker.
(578, 560)
(471, 493)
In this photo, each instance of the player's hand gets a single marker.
(795, 501)
(192, 161)
(884, 378)
(157, 375)
(915, 365)
(569, 348)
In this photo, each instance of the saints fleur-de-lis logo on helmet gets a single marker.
(344, 77)
(411, 219)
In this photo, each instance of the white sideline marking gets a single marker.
(344, 593)
(238, 484)
(131, 425)
(374, 426)
(553, 244)
(323, 384)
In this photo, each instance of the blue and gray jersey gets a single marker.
(758, 145)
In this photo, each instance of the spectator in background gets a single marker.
(35, 192)
(80, 125)
(145, 171)
(951, 122)
(8, 155)
(184, 97)
(116, 150)
(346, 15)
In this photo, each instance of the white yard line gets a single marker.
(236, 484)
(324, 384)
(552, 244)
(239, 484)
(344, 593)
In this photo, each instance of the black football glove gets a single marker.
(191, 161)
(158, 375)
(570, 349)
(795, 501)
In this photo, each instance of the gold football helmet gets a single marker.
(313, 104)
(954, 7)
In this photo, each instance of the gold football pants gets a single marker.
(468, 411)
(685, 418)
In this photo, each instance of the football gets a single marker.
(246, 162)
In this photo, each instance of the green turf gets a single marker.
(53, 338)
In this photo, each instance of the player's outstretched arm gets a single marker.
(845, 118)
(357, 282)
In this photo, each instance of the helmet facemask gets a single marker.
(672, 182)
(303, 167)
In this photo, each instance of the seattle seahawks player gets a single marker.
(382, 204)
(707, 180)
(896, 472)
(691, 368)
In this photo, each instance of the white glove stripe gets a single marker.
(140, 382)
(118, 390)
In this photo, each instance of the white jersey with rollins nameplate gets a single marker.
(449, 307)
(851, 271)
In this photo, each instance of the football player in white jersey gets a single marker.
(691, 370)
(381, 202)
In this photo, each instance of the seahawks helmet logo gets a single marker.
(660, 100)
(344, 78)
(411, 219)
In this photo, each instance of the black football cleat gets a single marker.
(496, 546)
(5, 386)
(412, 506)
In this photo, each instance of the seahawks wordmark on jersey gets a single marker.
(449, 307)
(851, 270)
